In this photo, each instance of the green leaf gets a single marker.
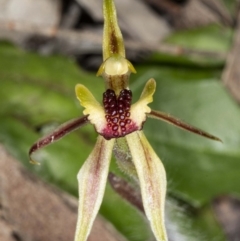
(201, 47)
(207, 38)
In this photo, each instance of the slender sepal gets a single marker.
(112, 36)
(175, 121)
(56, 135)
(152, 179)
(91, 182)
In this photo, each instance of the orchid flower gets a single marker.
(119, 124)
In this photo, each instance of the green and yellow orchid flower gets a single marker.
(119, 124)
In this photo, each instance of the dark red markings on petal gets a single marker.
(127, 114)
(128, 121)
(172, 120)
(60, 132)
(108, 133)
(117, 114)
(114, 112)
(122, 123)
(115, 134)
(115, 128)
(123, 129)
(122, 117)
(120, 111)
(115, 120)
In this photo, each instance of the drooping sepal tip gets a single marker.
(32, 161)
(112, 36)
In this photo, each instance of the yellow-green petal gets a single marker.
(112, 36)
(92, 180)
(140, 108)
(152, 179)
(93, 109)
